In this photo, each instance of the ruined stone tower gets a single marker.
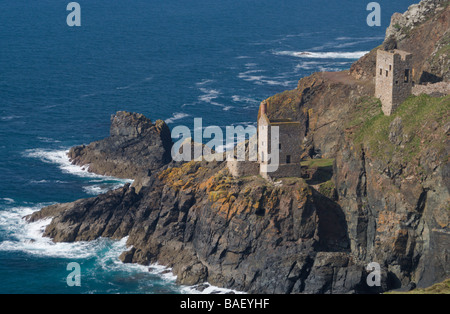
(288, 151)
(393, 82)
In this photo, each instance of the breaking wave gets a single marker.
(322, 55)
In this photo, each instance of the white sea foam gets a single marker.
(322, 65)
(307, 65)
(101, 188)
(177, 116)
(251, 78)
(47, 140)
(204, 82)
(7, 200)
(167, 275)
(363, 39)
(97, 185)
(237, 98)
(124, 87)
(345, 42)
(61, 159)
(280, 83)
(206, 288)
(328, 69)
(38, 181)
(322, 55)
(262, 79)
(8, 118)
(27, 237)
(134, 84)
(208, 94)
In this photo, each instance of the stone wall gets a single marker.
(402, 76)
(383, 80)
(436, 90)
(242, 168)
(393, 78)
(263, 138)
(289, 141)
(284, 171)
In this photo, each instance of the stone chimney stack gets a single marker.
(263, 108)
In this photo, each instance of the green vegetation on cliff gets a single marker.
(318, 163)
(439, 288)
(413, 129)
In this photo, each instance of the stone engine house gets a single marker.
(289, 151)
(288, 139)
(393, 79)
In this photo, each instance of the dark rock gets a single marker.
(134, 149)
(127, 256)
(201, 287)
(193, 274)
(390, 43)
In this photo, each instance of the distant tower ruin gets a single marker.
(393, 83)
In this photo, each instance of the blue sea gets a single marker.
(174, 60)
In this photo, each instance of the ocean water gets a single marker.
(173, 60)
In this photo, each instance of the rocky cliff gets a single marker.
(387, 200)
(246, 234)
(134, 149)
(390, 173)
(422, 30)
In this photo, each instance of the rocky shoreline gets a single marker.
(252, 235)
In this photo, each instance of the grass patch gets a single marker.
(420, 116)
(367, 108)
(439, 288)
(328, 189)
(318, 170)
(318, 163)
(285, 104)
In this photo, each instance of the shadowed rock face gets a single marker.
(134, 149)
(245, 234)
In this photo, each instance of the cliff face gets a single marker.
(387, 201)
(390, 173)
(134, 149)
(246, 234)
(392, 178)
